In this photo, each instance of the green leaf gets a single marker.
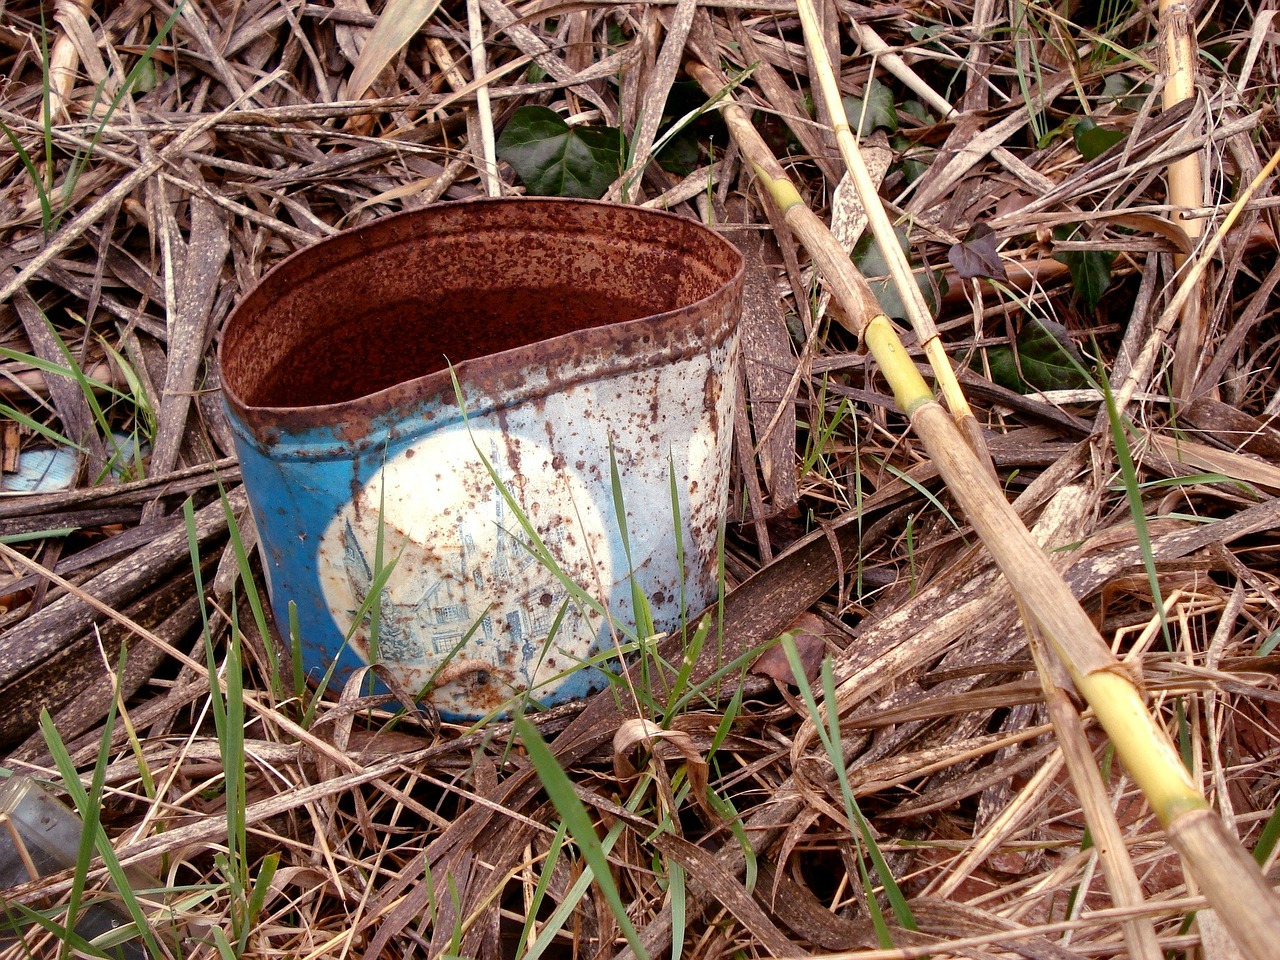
(915, 159)
(1092, 140)
(680, 155)
(1049, 136)
(1090, 269)
(556, 160)
(1046, 359)
(871, 110)
(871, 262)
(914, 108)
(1128, 90)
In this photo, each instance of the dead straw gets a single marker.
(1186, 186)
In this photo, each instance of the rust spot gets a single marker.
(353, 431)
(711, 395)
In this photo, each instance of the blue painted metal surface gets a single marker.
(574, 330)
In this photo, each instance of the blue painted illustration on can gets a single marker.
(456, 450)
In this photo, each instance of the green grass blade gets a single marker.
(829, 734)
(640, 609)
(83, 157)
(42, 192)
(677, 524)
(727, 812)
(28, 537)
(375, 608)
(679, 908)
(295, 654)
(86, 385)
(540, 889)
(919, 488)
(36, 426)
(1267, 839)
(223, 946)
(892, 892)
(66, 935)
(217, 706)
(566, 908)
(258, 896)
(89, 808)
(233, 756)
(252, 595)
(560, 789)
(1133, 493)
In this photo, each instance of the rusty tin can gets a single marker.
(570, 331)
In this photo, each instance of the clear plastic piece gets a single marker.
(40, 836)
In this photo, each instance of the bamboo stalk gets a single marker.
(1186, 184)
(881, 227)
(1232, 882)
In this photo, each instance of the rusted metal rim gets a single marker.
(342, 275)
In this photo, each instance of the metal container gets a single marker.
(574, 330)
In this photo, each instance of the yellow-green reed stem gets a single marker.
(1240, 893)
(881, 227)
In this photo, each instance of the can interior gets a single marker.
(395, 343)
(365, 311)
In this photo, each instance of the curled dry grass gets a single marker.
(171, 158)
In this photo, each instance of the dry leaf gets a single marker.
(396, 27)
(808, 634)
(664, 745)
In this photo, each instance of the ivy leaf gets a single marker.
(1046, 359)
(680, 155)
(915, 160)
(554, 159)
(1092, 140)
(1090, 269)
(871, 263)
(976, 256)
(916, 109)
(1127, 90)
(879, 110)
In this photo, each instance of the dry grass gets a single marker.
(397, 836)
